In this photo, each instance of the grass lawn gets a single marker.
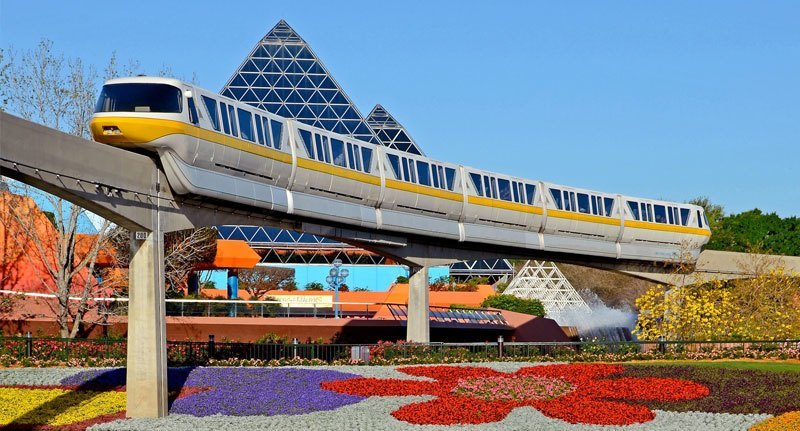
(789, 366)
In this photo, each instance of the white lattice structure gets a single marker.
(545, 282)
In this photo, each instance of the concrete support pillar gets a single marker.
(233, 284)
(147, 341)
(419, 324)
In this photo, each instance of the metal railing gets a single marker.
(35, 349)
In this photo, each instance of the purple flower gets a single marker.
(237, 391)
(261, 391)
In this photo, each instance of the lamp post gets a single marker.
(335, 280)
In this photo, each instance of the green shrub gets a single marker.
(401, 279)
(512, 303)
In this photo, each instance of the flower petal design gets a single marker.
(576, 409)
(648, 388)
(366, 387)
(448, 410)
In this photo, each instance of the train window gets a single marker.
(192, 111)
(424, 173)
(326, 149)
(569, 201)
(211, 107)
(699, 219)
(450, 175)
(435, 175)
(530, 192)
(139, 97)
(412, 170)
(246, 124)
(277, 133)
(494, 187)
(232, 114)
(365, 163)
(350, 155)
(595, 204)
(671, 215)
(259, 130)
(224, 111)
(320, 153)
(650, 212)
(634, 206)
(608, 204)
(705, 219)
(685, 216)
(476, 181)
(406, 175)
(676, 216)
(305, 136)
(337, 153)
(487, 187)
(504, 186)
(515, 189)
(583, 203)
(394, 161)
(660, 213)
(556, 194)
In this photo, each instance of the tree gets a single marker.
(63, 260)
(183, 250)
(261, 279)
(314, 285)
(512, 303)
(44, 87)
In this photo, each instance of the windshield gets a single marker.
(139, 98)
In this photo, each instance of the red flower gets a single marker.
(576, 393)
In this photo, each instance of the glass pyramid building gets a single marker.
(283, 75)
(390, 132)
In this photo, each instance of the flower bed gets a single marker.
(498, 396)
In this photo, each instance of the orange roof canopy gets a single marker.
(235, 254)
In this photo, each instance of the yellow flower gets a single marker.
(56, 407)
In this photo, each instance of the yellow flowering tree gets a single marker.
(704, 312)
(768, 305)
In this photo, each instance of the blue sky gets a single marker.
(672, 100)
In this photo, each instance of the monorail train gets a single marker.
(218, 147)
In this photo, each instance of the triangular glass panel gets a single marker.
(294, 109)
(339, 98)
(249, 231)
(316, 98)
(293, 67)
(283, 82)
(272, 97)
(283, 111)
(328, 124)
(260, 81)
(284, 237)
(225, 231)
(272, 67)
(260, 63)
(306, 113)
(238, 93)
(304, 52)
(339, 128)
(249, 66)
(238, 81)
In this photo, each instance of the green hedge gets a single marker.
(512, 303)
